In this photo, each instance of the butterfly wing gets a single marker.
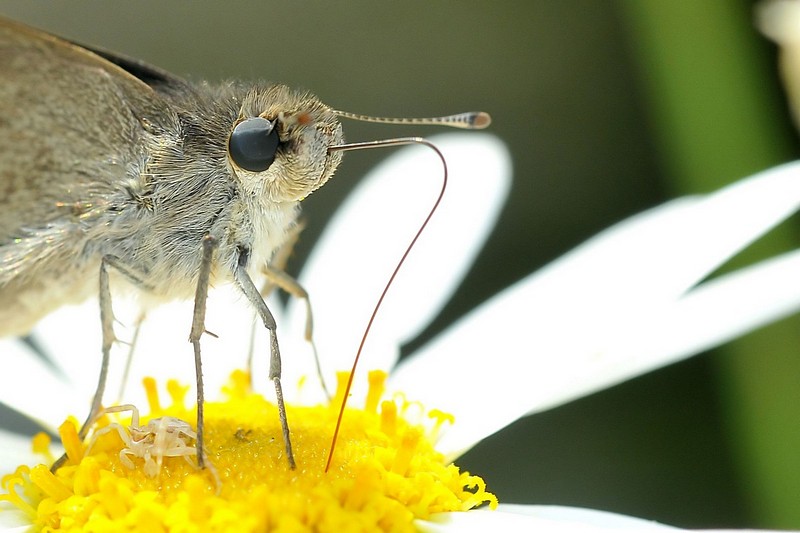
(72, 129)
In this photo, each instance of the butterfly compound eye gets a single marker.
(253, 144)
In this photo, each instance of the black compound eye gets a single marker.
(253, 144)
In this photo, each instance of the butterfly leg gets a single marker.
(198, 328)
(250, 291)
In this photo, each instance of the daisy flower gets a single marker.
(638, 295)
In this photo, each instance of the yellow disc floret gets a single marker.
(142, 474)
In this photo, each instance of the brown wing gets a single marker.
(65, 126)
(71, 131)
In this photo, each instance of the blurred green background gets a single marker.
(608, 108)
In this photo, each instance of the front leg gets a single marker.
(198, 328)
(250, 291)
(276, 275)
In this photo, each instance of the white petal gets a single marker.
(713, 313)
(16, 450)
(721, 225)
(579, 515)
(537, 518)
(659, 254)
(163, 349)
(545, 340)
(12, 520)
(353, 261)
(30, 386)
(71, 336)
(70, 342)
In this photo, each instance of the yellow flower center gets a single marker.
(385, 472)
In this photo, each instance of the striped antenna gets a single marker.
(471, 120)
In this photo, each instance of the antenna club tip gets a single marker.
(481, 120)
